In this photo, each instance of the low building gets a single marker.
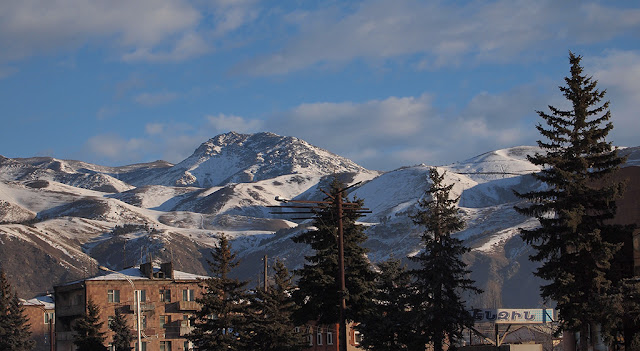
(167, 301)
(41, 311)
(325, 337)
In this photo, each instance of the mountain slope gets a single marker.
(64, 218)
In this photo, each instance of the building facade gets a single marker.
(167, 301)
(40, 312)
(325, 337)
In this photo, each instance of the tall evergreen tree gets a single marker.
(89, 336)
(122, 338)
(575, 242)
(220, 324)
(437, 308)
(386, 327)
(271, 323)
(318, 293)
(15, 333)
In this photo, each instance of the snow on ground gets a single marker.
(510, 162)
(394, 192)
(496, 241)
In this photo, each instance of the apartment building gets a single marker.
(40, 312)
(325, 337)
(167, 301)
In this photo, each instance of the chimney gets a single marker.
(167, 269)
(147, 270)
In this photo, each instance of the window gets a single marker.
(358, 337)
(188, 346)
(49, 317)
(296, 329)
(310, 339)
(143, 295)
(188, 295)
(110, 321)
(165, 295)
(319, 339)
(144, 346)
(329, 338)
(165, 345)
(164, 321)
(113, 295)
(186, 320)
(143, 320)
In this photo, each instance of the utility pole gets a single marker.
(339, 208)
(265, 273)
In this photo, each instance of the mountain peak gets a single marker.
(239, 158)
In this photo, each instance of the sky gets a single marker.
(383, 83)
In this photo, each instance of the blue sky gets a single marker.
(384, 83)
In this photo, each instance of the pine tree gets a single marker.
(318, 293)
(122, 334)
(574, 241)
(271, 324)
(437, 308)
(15, 333)
(220, 324)
(386, 327)
(89, 336)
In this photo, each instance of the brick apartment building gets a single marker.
(325, 337)
(41, 311)
(167, 301)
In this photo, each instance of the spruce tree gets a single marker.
(386, 326)
(122, 338)
(318, 293)
(438, 311)
(15, 333)
(271, 323)
(220, 324)
(89, 336)
(575, 242)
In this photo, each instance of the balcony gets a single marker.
(188, 306)
(144, 306)
(65, 336)
(72, 310)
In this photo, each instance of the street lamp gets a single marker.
(136, 298)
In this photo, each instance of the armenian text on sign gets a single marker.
(513, 316)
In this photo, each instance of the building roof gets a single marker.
(45, 301)
(134, 273)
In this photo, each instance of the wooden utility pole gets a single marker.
(339, 208)
(266, 286)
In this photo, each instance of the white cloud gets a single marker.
(169, 141)
(105, 112)
(619, 73)
(189, 45)
(7, 71)
(399, 131)
(141, 30)
(154, 128)
(443, 33)
(152, 99)
(223, 123)
(116, 148)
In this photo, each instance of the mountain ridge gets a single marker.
(67, 213)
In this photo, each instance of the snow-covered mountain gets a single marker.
(242, 158)
(61, 219)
